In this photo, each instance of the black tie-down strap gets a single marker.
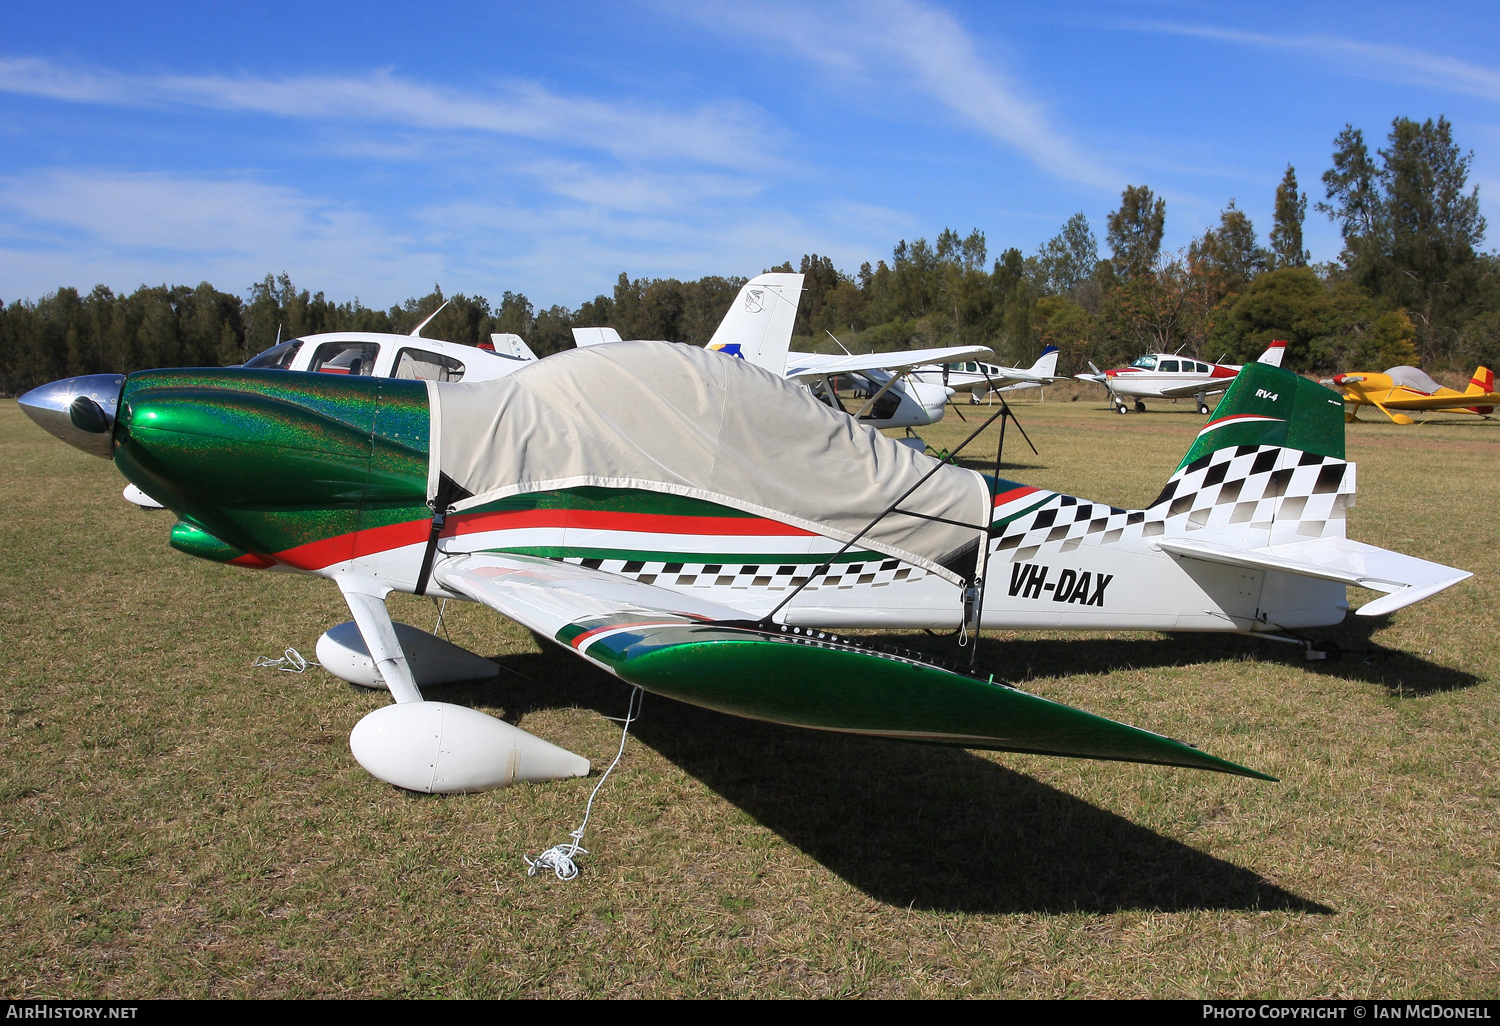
(439, 517)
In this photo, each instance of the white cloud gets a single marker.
(79, 228)
(910, 43)
(1374, 60)
(726, 134)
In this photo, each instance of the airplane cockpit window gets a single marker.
(278, 357)
(356, 358)
(1170, 367)
(1145, 363)
(1204, 368)
(1414, 379)
(418, 364)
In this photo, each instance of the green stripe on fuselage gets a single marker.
(710, 558)
(612, 500)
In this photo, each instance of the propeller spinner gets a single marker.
(80, 411)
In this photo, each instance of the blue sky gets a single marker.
(371, 151)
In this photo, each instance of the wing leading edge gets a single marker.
(713, 656)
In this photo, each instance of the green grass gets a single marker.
(173, 822)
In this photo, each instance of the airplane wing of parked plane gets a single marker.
(814, 366)
(674, 645)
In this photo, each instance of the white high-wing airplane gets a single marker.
(979, 379)
(758, 329)
(1172, 376)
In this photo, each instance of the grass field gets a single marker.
(173, 822)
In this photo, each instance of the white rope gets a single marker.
(291, 661)
(560, 858)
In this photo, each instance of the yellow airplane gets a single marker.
(1407, 388)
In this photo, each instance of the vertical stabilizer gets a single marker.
(758, 326)
(511, 345)
(594, 336)
(1482, 383)
(1273, 354)
(1046, 364)
(1269, 406)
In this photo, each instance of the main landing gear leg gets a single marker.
(367, 602)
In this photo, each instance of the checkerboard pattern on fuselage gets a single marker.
(873, 573)
(1267, 493)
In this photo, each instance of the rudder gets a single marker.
(1270, 406)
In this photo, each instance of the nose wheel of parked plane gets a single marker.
(1119, 405)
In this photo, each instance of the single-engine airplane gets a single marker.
(699, 527)
(1402, 389)
(883, 392)
(1172, 376)
(979, 378)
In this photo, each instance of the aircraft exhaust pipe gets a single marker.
(81, 411)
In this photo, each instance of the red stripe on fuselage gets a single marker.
(327, 551)
(606, 520)
(1013, 495)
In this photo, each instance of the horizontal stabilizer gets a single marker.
(1405, 579)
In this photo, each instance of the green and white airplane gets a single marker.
(699, 527)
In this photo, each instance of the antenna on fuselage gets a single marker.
(417, 331)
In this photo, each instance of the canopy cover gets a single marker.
(1411, 377)
(679, 419)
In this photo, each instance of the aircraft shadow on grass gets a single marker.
(1398, 672)
(910, 825)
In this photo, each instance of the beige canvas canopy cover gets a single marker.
(684, 420)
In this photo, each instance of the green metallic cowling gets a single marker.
(195, 541)
(267, 461)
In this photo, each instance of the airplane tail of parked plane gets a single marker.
(510, 345)
(758, 326)
(1269, 472)
(594, 336)
(1482, 383)
(1273, 354)
(1046, 364)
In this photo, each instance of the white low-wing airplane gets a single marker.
(1171, 376)
(696, 527)
(758, 329)
(384, 355)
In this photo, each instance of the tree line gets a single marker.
(1410, 286)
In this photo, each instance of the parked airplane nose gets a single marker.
(80, 411)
